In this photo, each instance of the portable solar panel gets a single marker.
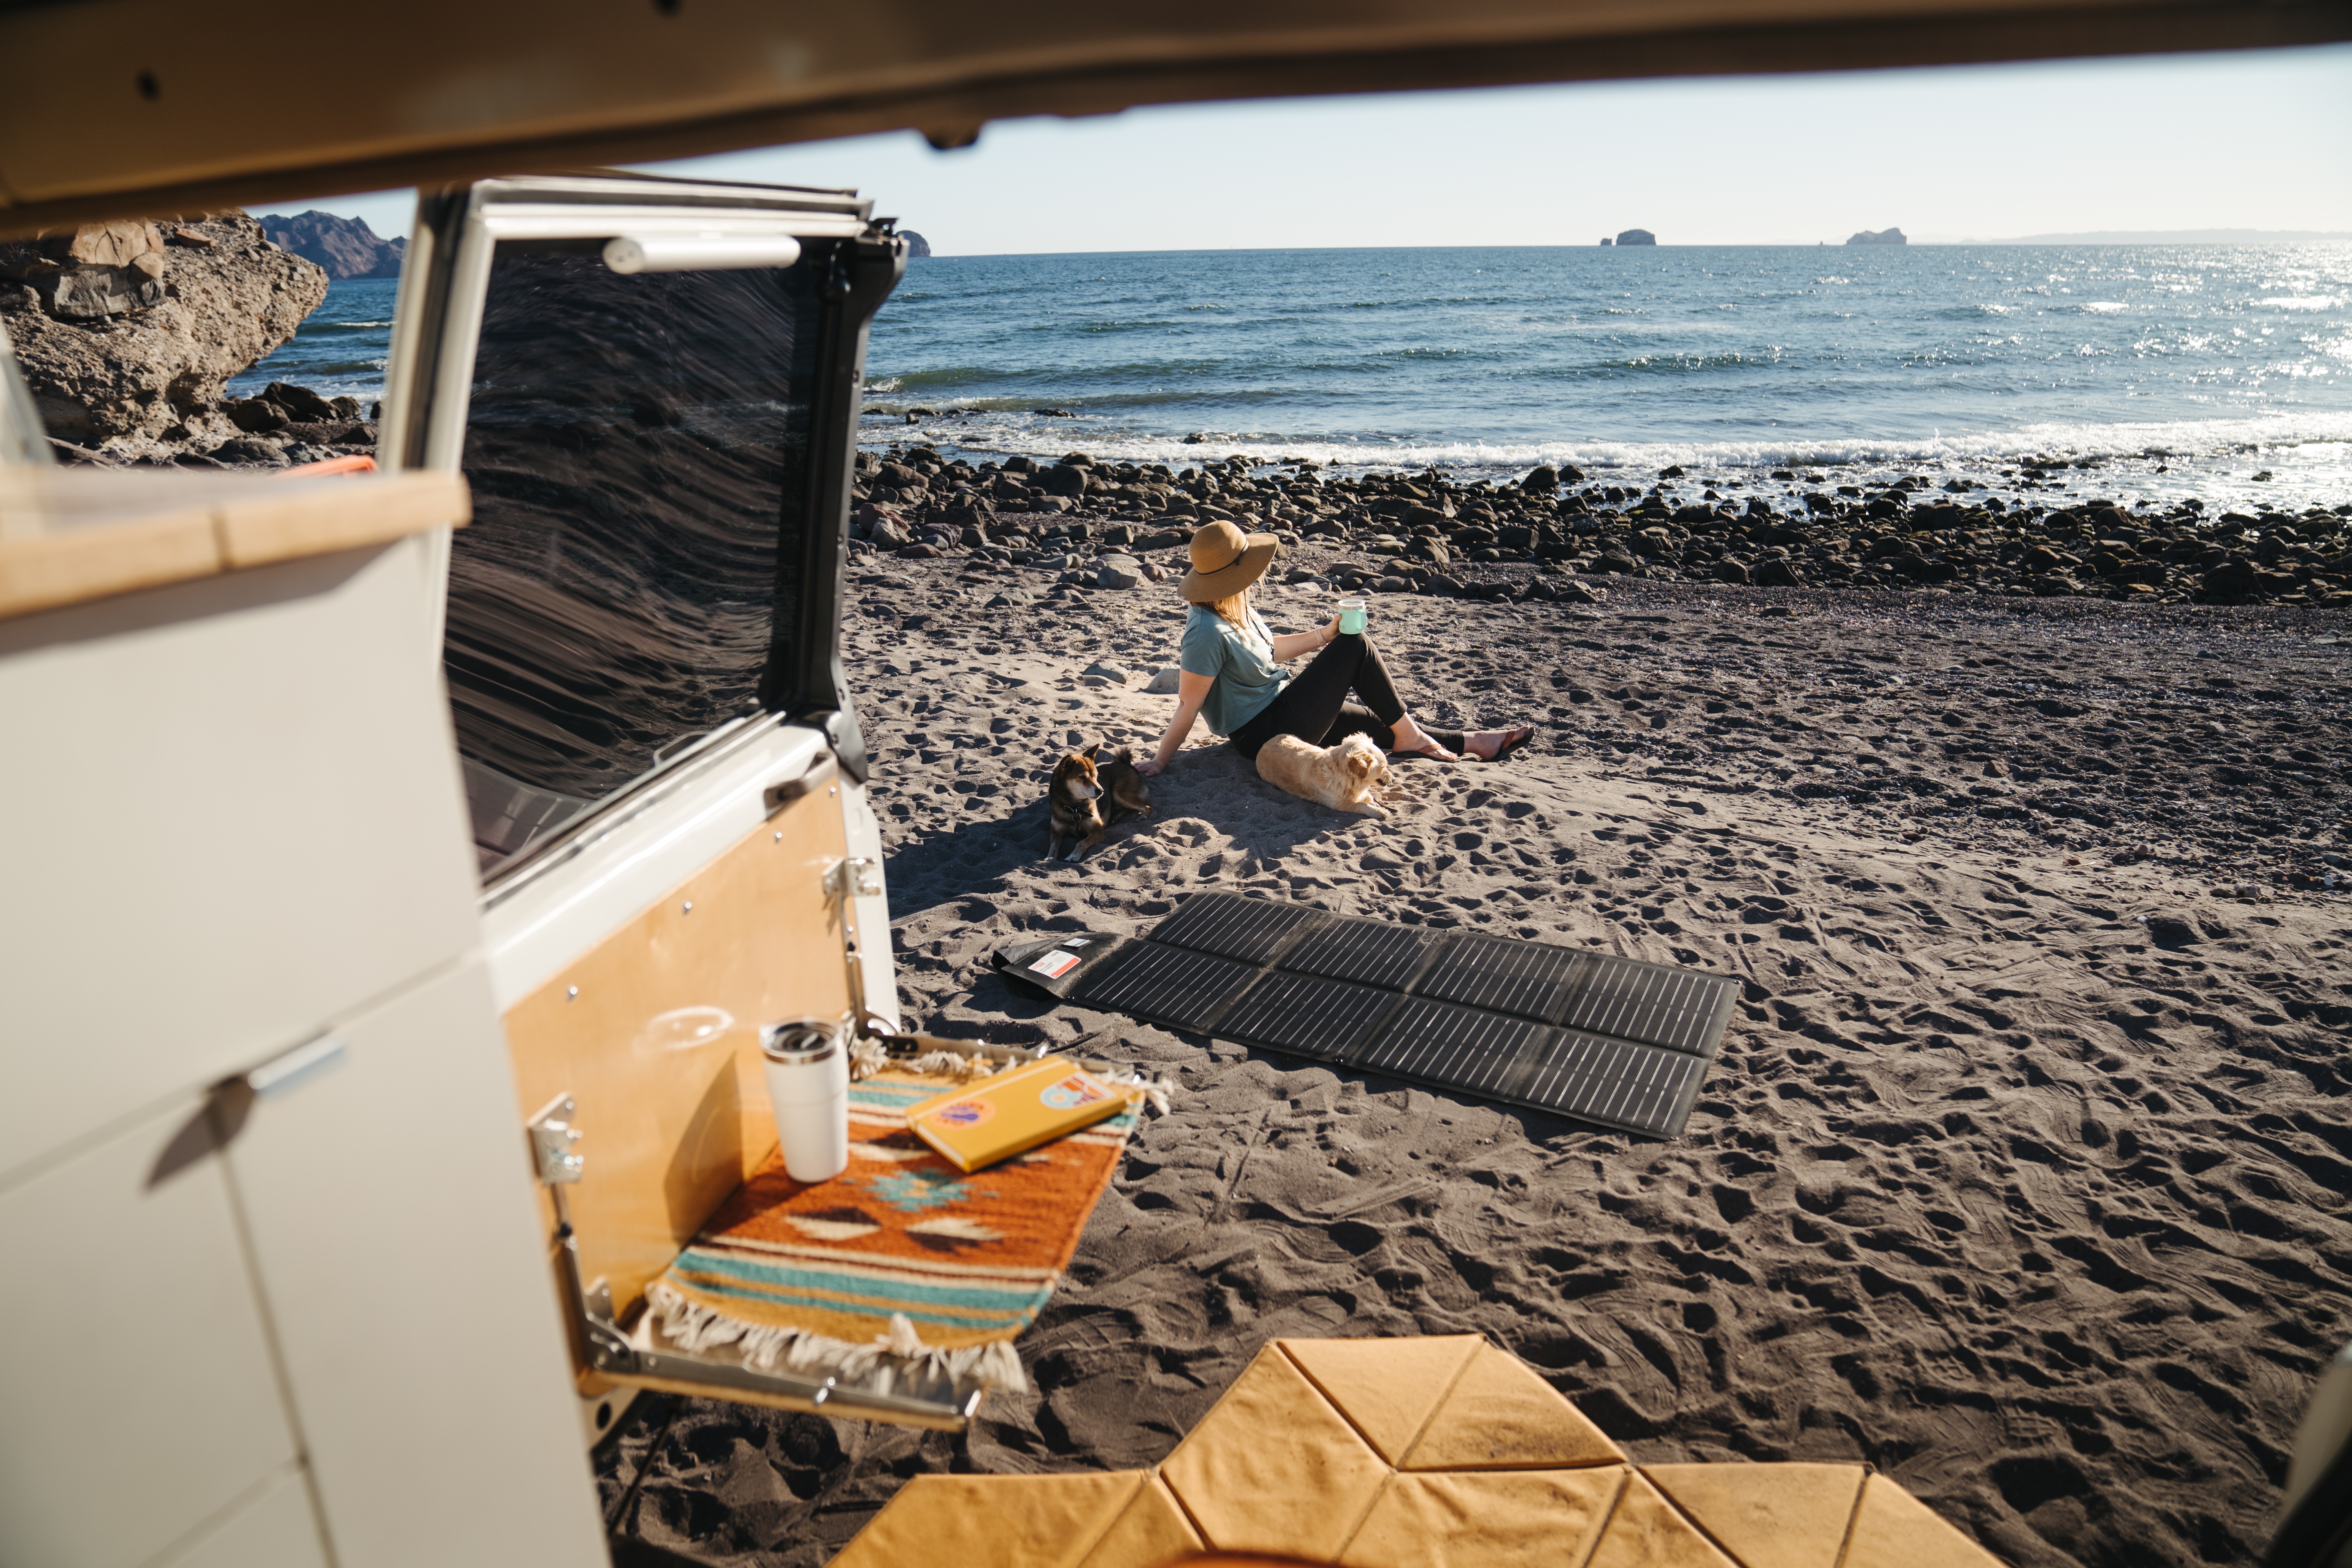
(1608, 1040)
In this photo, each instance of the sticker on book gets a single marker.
(1055, 964)
(1071, 1092)
(964, 1113)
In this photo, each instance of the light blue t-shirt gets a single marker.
(1241, 665)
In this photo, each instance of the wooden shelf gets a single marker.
(73, 534)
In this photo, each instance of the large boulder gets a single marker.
(89, 273)
(121, 359)
(1064, 478)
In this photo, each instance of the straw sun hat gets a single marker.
(1225, 561)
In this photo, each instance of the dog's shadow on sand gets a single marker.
(1213, 801)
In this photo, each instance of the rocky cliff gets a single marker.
(345, 246)
(1883, 237)
(1637, 236)
(129, 332)
(916, 244)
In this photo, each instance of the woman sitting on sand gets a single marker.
(1231, 671)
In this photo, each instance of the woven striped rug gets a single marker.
(900, 1254)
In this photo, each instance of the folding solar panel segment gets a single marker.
(1676, 1008)
(1459, 1048)
(1532, 979)
(1171, 985)
(1308, 1015)
(1370, 953)
(1255, 931)
(1640, 1088)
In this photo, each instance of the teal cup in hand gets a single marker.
(1351, 617)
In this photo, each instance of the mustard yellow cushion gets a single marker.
(1274, 1469)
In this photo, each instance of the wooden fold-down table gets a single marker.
(259, 1141)
(68, 535)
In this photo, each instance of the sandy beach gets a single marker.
(2022, 1172)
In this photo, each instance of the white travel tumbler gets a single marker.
(808, 1083)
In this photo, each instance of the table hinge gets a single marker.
(554, 1143)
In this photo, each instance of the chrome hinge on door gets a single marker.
(553, 1142)
(556, 1160)
(856, 877)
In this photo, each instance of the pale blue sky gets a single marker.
(2256, 141)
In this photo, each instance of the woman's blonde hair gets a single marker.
(1235, 608)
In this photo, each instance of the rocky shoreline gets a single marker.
(1555, 535)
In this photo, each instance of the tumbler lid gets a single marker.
(800, 1042)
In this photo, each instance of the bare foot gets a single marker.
(1488, 744)
(1412, 740)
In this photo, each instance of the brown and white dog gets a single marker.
(1123, 785)
(1073, 805)
(1341, 777)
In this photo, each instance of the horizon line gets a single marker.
(2250, 237)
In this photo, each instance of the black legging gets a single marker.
(1314, 706)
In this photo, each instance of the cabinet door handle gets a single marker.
(297, 1067)
(228, 1103)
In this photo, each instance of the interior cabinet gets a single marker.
(276, 1529)
(140, 1398)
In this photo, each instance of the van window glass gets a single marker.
(634, 445)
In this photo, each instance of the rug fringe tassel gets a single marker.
(868, 1057)
(1155, 1088)
(696, 1328)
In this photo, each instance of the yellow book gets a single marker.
(1013, 1111)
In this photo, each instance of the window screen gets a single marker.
(634, 446)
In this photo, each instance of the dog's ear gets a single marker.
(1360, 762)
(1089, 753)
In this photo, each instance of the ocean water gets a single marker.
(341, 350)
(2212, 363)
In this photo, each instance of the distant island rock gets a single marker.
(916, 244)
(1883, 237)
(1637, 236)
(345, 246)
(1606, 240)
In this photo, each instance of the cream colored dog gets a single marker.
(1341, 777)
